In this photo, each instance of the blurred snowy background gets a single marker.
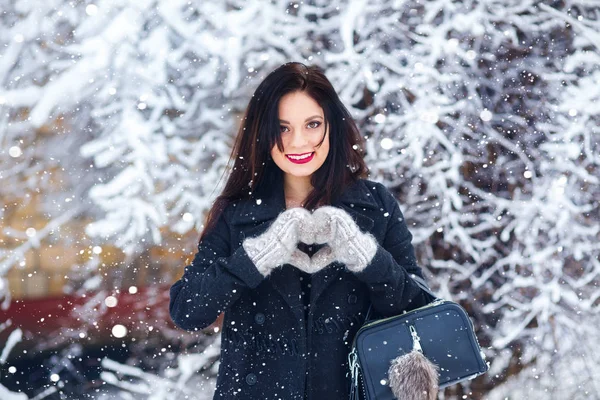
(116, 121)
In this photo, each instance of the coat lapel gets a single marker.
(286, 280)
(264, 205)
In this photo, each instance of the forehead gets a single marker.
(298, 105)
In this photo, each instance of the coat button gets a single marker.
(251, 379)
(259, 318)
(352, 299)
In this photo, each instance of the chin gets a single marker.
(295, 172)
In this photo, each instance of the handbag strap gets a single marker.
(421, 283)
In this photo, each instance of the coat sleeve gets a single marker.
(217, 276)
(388, 275)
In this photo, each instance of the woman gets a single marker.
(296, 248)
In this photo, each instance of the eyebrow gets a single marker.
(309, 118)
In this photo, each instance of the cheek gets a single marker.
(278, 156)
(324, 151)
(284, 142)
(325, 145)
(275, 150)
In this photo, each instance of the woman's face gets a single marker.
(302, 127)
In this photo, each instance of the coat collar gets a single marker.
(267, 204)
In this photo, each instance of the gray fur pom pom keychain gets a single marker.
(412, 376)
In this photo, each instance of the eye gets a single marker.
(282, 128)
(314, 124)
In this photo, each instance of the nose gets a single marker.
(298, 140)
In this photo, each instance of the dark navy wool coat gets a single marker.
(273, 345)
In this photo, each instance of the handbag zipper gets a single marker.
(415, 338)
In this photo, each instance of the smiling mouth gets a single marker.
(300, 158)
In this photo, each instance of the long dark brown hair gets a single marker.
(260, 131)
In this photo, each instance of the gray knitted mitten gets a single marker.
(276, 245)
(349, 245)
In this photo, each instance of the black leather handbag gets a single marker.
(441, 330)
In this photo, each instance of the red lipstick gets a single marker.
(303, 160)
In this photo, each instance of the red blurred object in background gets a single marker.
(50, 322)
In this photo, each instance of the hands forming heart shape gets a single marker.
(330, 225)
